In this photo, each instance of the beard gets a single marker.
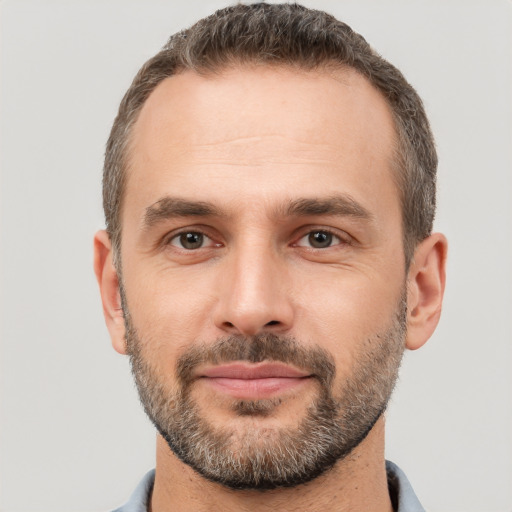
(335, 421)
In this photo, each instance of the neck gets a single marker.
(357, 483)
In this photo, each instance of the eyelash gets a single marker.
(176, 236)
(339, 240)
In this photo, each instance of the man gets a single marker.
(269, 192)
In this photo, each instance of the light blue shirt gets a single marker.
(401, 492)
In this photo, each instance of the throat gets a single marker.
(357, 483)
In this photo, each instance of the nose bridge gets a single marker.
(254, 294)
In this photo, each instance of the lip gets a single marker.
(246, 371)
(253, 381)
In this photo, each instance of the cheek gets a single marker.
(169, 312)
(341, 313)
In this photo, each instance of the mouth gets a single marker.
(254, 381)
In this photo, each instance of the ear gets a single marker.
(108, 281)
(425, 290)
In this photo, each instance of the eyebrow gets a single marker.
(173, 207)
(339, 205)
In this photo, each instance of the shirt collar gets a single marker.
(400, 490)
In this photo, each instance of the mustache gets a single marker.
(256, 349)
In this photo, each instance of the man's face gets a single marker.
(263, 270)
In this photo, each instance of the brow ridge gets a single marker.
(173, 207)
(337, 205)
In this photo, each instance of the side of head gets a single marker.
(292, 36)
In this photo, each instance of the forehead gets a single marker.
(250, 125)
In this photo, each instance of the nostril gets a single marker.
(250, 328)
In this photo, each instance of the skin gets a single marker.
(249, 141)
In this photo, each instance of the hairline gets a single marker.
(330, 66)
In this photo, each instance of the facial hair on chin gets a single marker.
(334, 423)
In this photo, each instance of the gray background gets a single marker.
(73, 437)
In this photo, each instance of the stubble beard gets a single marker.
(261, 458)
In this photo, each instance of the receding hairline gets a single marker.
(302, 38)
(340, 72)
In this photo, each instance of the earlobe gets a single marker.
(108, 282)
(425, 289)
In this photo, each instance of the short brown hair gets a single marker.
(289, 35)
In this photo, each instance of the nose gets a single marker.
(254, 293)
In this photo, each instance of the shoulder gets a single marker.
(139, 500)
(402, 494)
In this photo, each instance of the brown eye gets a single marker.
(190, 240)
(319, 239)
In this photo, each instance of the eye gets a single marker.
(319, 239)
(191, 240)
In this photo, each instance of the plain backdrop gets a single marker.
(73, 436)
